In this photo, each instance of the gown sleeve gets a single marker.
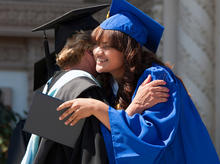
(141, 138)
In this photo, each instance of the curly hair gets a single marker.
(136, 60)
(74, 49)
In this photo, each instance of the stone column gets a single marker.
(170, 15)
(195, 55)
(217, 75)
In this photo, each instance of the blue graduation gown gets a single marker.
(168, 133)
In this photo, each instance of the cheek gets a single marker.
(118, 59)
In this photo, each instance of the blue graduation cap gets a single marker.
(128, 19)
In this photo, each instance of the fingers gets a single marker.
(75, 121)
(147, 80)
(161, 95)
(161, 100)
(71, 118)
(160, 89)
(156, 101)
(66, 113)
(74, 118)
(66, 104)
(155, 83)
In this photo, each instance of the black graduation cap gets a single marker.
(65, 25)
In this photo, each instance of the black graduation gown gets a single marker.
(90, 146)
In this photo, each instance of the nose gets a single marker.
(97, 51)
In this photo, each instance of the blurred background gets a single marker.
(191, 43)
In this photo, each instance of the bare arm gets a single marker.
(148, 94)
(84, 107)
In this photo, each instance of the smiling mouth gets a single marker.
(101, 60)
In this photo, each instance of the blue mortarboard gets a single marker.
(126, 18)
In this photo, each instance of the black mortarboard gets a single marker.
(64, 26)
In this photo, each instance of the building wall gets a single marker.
(191, 43)
(217, 75)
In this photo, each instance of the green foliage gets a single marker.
(7, 119)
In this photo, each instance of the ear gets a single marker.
(89, 52)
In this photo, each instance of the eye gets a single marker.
(105, 47)
(95, 46)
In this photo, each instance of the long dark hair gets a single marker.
(136, 60)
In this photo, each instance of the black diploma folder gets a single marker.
(43, 120)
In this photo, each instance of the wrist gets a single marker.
(132, 109)
(98, 107)
(141, 105)
(135, 107)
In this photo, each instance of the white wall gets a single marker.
(18, 83)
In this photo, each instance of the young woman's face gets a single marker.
(108, 59)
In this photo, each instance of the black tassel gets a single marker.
(50, 60)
